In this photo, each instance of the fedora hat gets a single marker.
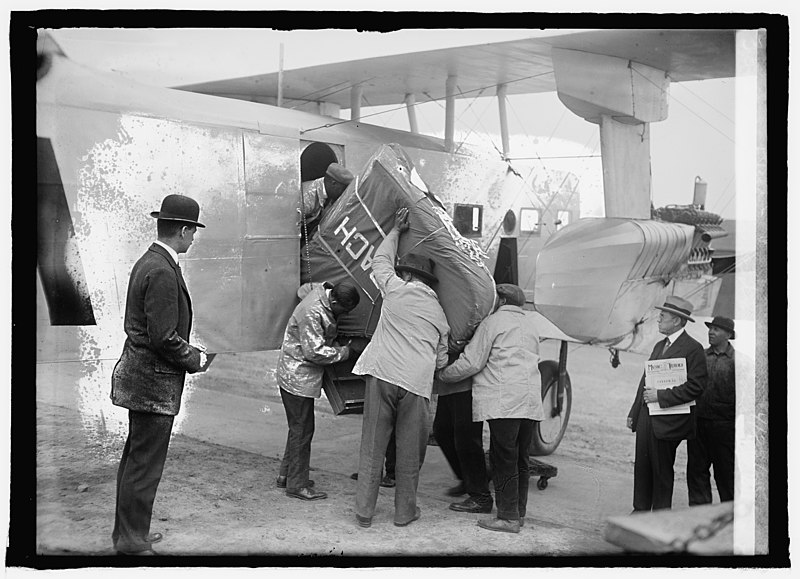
(418, 265)
(724, 323)
(339, 173)
(179, 208)
(678, 306)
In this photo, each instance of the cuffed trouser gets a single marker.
(297, 455)
(461, 441)
(714, 445)
(138, 475)
(509, 440)
(653, 474)
(386, 407)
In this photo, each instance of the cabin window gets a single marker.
(468, 219)
(564, 218)
(530, 221)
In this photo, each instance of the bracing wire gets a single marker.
(687, 107)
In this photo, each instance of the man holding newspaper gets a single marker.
(662, 413)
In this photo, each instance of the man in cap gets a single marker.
(658, 436)
(409, 344)
(716, 419)
(148, 379)
(503, 360)
(308, 345)
(320, 194)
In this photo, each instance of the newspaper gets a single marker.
(666, 373)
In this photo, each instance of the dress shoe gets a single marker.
(306, 494)
(417, 515)
(457, 490)
(145, 553)
(364, 521)
(281, 482)
(388, 482)
(471, 506)
(501, 525)
(154, 537)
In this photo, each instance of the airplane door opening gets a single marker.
(314, 160)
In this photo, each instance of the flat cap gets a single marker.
(513, 294)
(339, 173)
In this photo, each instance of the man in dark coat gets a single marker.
(658, 436)
(148, 379)
(716, 419)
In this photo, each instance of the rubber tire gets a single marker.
(539, 445)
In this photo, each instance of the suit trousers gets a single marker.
(389, 407)
(509, 441)
(138, 475)
(297, 454)
(714, 445)
(461, 441)
(653, 474)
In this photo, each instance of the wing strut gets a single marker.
(450, 113)
(502, 91)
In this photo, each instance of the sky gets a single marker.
(697, 139)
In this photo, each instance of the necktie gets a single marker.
(667, 344)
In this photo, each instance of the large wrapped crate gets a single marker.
(354, 227)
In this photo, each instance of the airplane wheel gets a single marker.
(548, 433)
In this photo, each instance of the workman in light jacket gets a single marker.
(503, 360)
(308, 345)
(409, 344)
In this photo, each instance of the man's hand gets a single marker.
(401, 219)
(630, 423)
(650, 395)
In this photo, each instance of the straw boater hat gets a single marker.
(418, 265)
(179, 208)
(678, 306)
(724, 323)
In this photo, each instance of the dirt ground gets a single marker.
(221, 499)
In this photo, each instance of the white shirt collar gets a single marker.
(171, 251)
(675, 336)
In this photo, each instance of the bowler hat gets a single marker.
(179, 208)
(513, 294)
(339, 173)
(418, 265)
(678, 306)
(724, 323)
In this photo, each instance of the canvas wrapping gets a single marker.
(353, 228)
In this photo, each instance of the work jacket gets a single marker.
(308, 344)
(503, 359)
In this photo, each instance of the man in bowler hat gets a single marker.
(716, 419)
(409, 344)
(149, 376)
(658, 436)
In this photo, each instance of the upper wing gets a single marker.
(524, 66)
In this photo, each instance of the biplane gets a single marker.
(110, 148)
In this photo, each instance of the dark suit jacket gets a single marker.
(150, 373)
(676, 426)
